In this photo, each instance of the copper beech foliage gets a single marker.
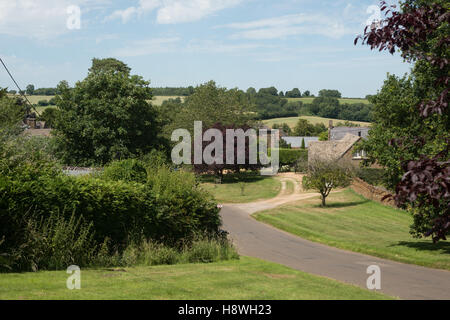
(418, 32)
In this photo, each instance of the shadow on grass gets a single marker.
(425, 246)
(234, 178)
(342, 204)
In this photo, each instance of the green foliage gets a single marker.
(49, 115)
(11, 115)
(108, 65)
(294, 93)
(43, 103)
(396, 117)
(169, 208)
(156, 159)
(204, 250)
(183, 207)
(326, 176)
(30, 89)
(51, 243)
(373, 176)
(125, 170)
(269, 105)
(285, 127)
(289, 157)
(105, 117)
(170, 91)
(211, 105)
(304, 128)
(323, 136)
(330, 107)
(330, 93)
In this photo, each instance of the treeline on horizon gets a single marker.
(269, 103)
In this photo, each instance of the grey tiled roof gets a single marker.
(296, 142)
(339, 133)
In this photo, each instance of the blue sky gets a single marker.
(238, 43)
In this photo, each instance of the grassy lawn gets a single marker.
(292, 121)
(354, 223)
(246, 279)
(256, 187)
(342, 100)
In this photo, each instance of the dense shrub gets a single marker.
(289, 157)
(169, 208)
(373, 176)
(50, 243)
(156, 159)
(184, 209)
(49, 115)
(125, 170)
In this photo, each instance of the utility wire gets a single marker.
(20, 90)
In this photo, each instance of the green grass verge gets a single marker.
(354, 223)
(255, 188)
(292, 121)
(244, 279)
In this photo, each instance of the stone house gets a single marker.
(336, 150)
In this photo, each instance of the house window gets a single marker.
(360, 154)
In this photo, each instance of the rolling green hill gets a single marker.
(293, 121)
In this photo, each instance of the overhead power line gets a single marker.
(20, 90)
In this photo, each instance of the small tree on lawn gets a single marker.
(326, 176)
(303, 144)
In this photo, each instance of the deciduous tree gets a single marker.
(420, 152)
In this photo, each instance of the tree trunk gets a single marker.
(324, 201)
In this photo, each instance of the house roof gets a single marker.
(331, 150)
(338, 133)
(296, 142)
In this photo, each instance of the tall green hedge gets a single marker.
(117, 209)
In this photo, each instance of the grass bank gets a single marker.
(354, 223)
(244, 279)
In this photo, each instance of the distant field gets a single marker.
(293, 121)
(158, 100)
(343, 100)
(36, 99)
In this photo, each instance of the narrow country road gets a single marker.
(259, 240)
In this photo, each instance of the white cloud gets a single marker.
(174, 11)
(210, 46)
(148, 47)
(39, 19)
(289, 25)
